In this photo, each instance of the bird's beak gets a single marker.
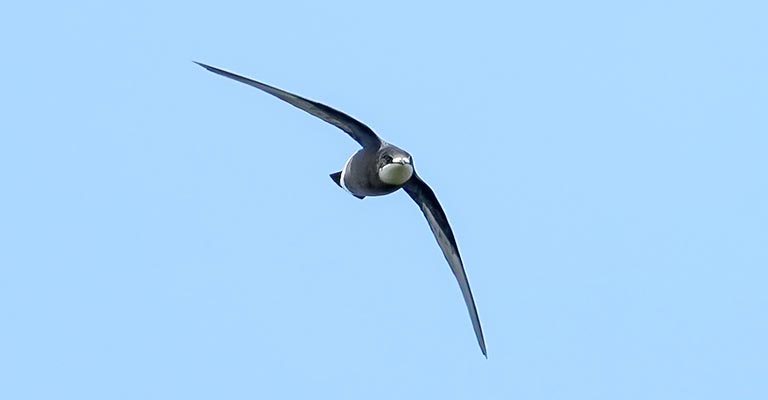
(402, 160)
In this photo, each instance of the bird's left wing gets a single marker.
(354, 128)
(438, 222)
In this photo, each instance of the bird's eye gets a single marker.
(387, 159)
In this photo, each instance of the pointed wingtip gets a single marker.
(202, 65)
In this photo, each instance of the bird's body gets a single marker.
(377, 169)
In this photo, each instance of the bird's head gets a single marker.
(395, 166)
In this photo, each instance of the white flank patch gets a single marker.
(395, 173)
(344, 171)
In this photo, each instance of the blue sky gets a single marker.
(168, 233)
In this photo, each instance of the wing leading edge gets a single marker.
(354, 128)
(421, 193)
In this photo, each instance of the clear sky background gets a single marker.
(166, 233)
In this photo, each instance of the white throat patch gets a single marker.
(395, 173)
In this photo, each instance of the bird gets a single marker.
(380, 168)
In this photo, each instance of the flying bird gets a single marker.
(377, 169)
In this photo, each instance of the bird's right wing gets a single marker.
(438, 222)
(356, 129)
